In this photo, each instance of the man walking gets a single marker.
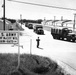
(38, 40)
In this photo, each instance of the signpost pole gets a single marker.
(30, 46)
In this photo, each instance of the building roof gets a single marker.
(60, 21)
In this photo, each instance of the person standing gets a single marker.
(38, 42)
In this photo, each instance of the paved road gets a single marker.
(56, 49)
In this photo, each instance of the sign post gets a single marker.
(30, 46)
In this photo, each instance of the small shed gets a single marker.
(8, 25)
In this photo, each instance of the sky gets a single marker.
(14, 9)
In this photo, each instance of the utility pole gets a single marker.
(4, 15)
(54, 20)
(62, 20)
(74, 22)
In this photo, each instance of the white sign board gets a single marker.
(8, 37)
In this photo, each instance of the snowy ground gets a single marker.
(62, 51)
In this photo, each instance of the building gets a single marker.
(8, 25)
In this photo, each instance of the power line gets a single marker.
(43, 5)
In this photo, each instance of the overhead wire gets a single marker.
(43, 5)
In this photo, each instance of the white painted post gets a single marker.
(30, 46)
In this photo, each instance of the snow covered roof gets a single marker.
(1, 20)
(52, 21)
(60, 21)
(63, 21)
(7, 22)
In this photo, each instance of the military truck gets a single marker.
(63, 33)
(38, 29)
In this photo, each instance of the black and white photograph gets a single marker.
(37, 37)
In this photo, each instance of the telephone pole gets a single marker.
(4, 15)
(54, 20)
(62, 20)
(21, 18)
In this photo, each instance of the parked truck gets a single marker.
(63, 33)
(38, 29)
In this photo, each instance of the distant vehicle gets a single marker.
(38, 29)
(30, 26)
(26, 24)
(63, 33)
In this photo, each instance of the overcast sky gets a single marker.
(13, 9)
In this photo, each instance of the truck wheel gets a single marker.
(73, 40)
(68, 39)
(54, 37)
(34, 30)
(58, 37)
(62, 38)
